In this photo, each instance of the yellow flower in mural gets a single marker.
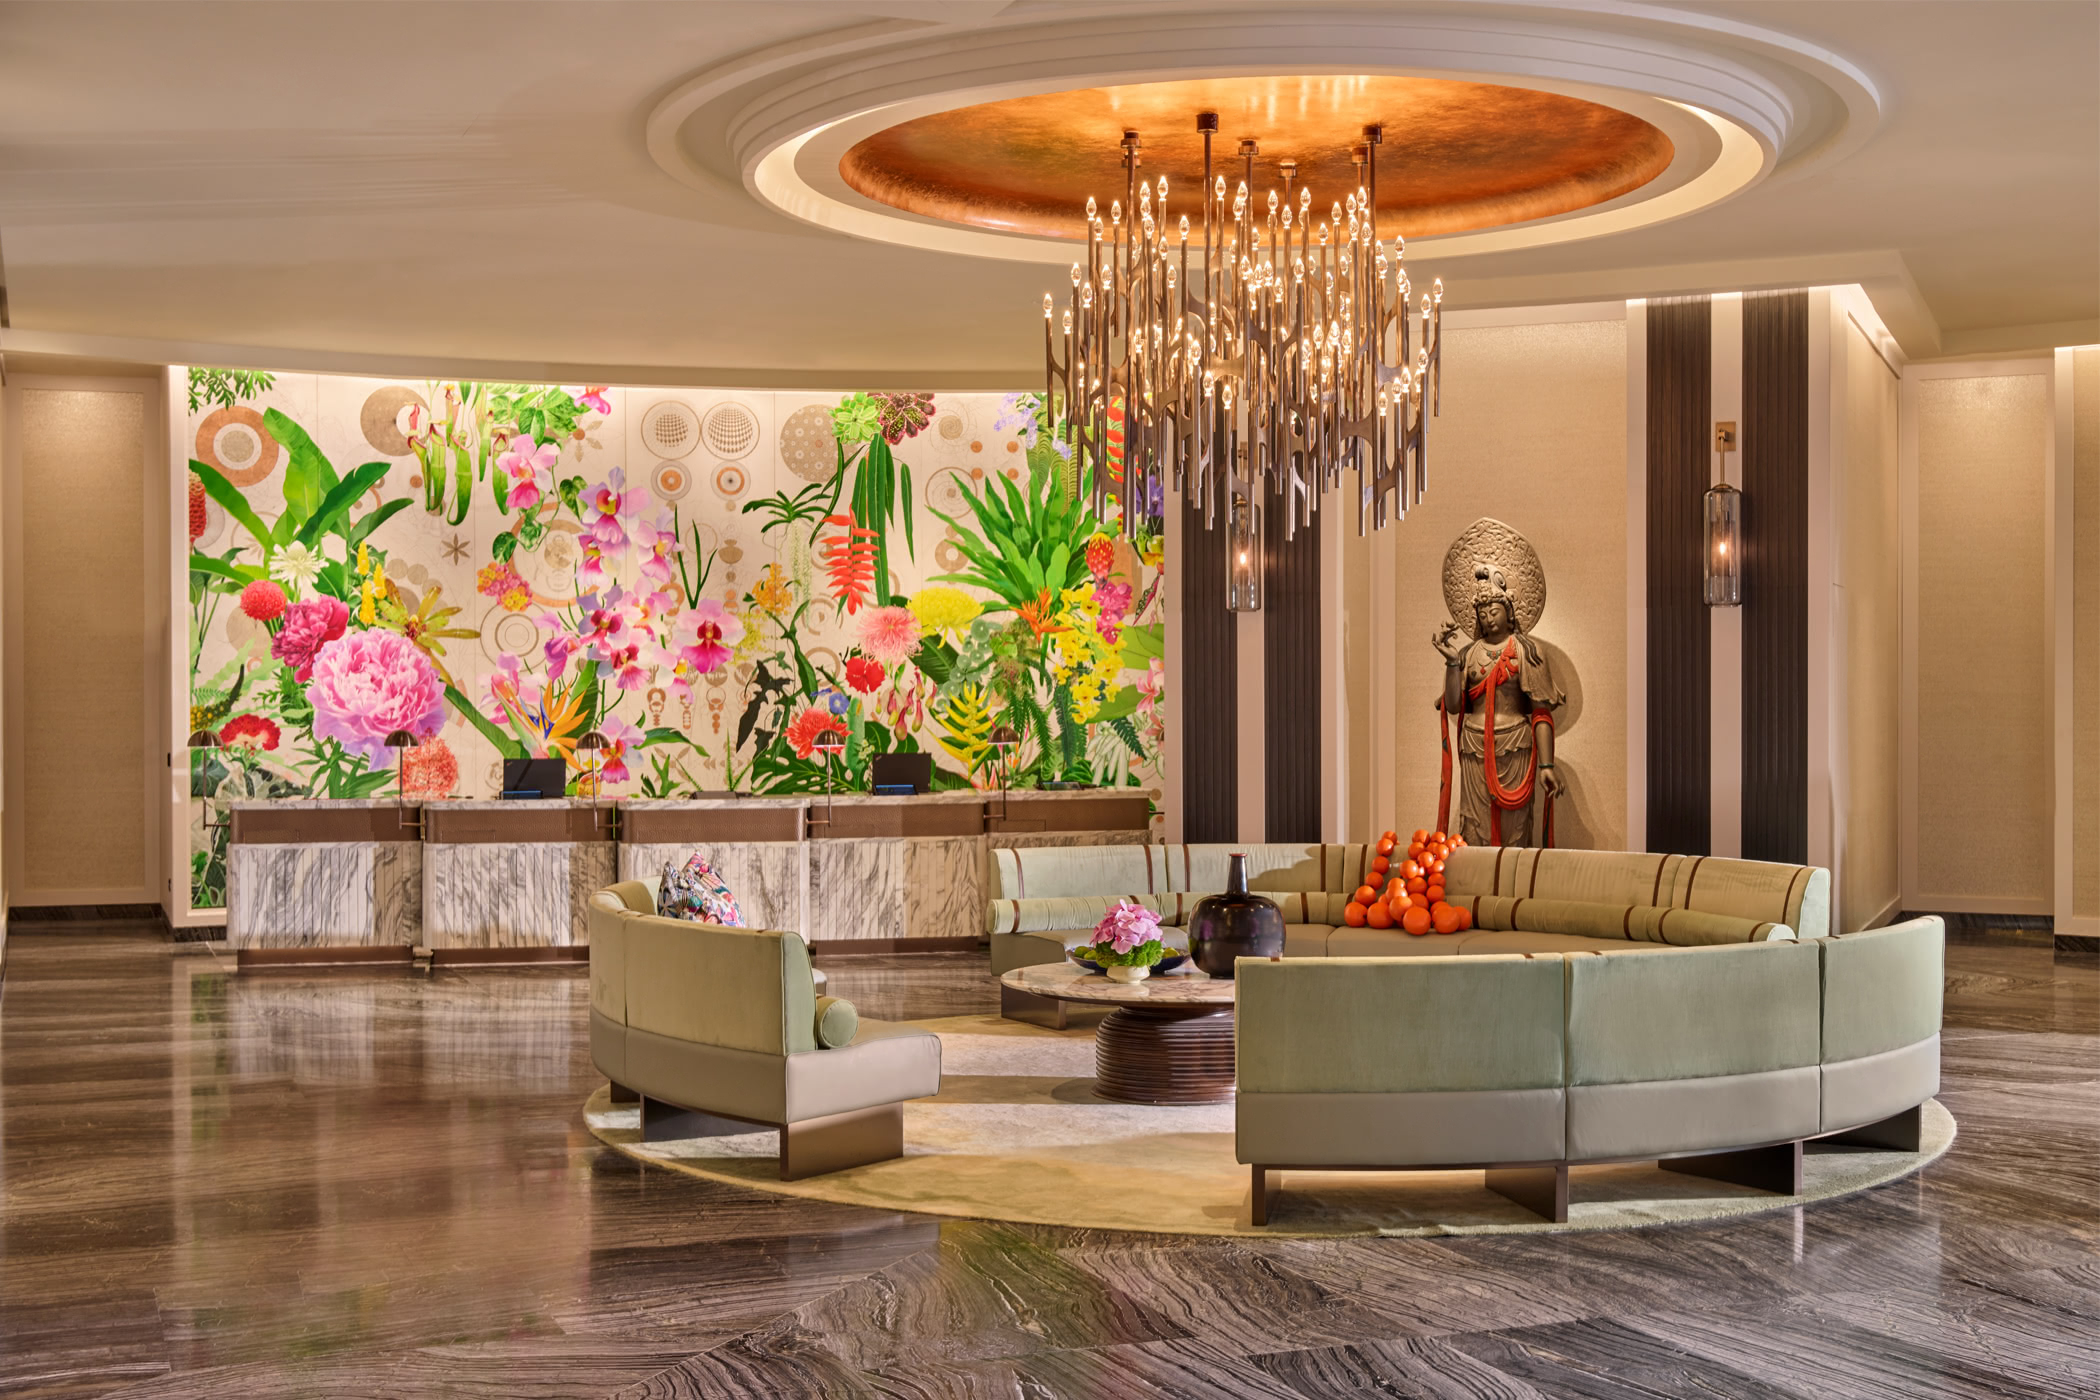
(1080, 657)
(773, 591)
(943, 611)
(969, 726)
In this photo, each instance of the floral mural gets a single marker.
(736, 591)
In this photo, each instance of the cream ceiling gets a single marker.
(470, 187)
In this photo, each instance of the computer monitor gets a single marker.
(902, 772)
(534, 777)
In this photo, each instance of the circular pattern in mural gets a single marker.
(508, 634)
(807, 444)
(945, 493)
(730, 481)
(729, 430)
(234, 441)
(380, 418)
(1489, 541)
(948, 554)
(669, 481)
(670, 429)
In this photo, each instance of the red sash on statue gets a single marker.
(1500, 800)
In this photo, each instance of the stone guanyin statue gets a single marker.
(1500, 687)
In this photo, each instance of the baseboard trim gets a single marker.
(496, 957)
(265, 959)
(85, 914)
(868, 947)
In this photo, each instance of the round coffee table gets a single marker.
(1168, 1041)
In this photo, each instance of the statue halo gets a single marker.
(1490, 541)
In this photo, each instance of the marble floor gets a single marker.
(347, 1184)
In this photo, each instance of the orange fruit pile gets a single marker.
(1412, 896)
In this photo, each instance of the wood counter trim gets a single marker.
(282, 826)
(854, 821)
(482, 826)
(651, 826)
(1104, 813)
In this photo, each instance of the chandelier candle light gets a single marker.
(1278, 356)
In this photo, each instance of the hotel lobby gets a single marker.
(1020, 698)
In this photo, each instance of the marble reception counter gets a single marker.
(507, 881)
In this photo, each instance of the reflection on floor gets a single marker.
(379, 1185)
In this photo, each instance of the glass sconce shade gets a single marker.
(1724, 547)
(1243, 555)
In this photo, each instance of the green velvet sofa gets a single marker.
(1717, 1059)
(721, 1030)
(1046, 899)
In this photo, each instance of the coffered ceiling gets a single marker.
(641, 191)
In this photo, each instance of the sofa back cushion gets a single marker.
(1693, 1013)
(1399, 1025)
(1271, 866)
(742, 989)
(1882, 988)
(605, 917)
(1761, 891)
(1059, 872)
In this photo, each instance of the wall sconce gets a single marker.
(593, 743)
(401, 741)
(206, 739)
(1002, 741)
(1243, 555)
(1724, 531)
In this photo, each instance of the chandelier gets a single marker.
(1260, 356)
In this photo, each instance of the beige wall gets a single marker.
(1984, 829)
(1870, 583)
(2085, 627)
(84, 610)
(1533, 432)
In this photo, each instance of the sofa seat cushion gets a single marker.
(1523, 941)
(1346, 942)
(886, 1063)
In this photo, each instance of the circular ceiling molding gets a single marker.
(1504, 130)
(1465, 155)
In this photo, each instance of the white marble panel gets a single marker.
(856, 890)
(327, 894)
(511, 895)
(765, 876)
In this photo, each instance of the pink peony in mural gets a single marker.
(309, 626)
(367, 686)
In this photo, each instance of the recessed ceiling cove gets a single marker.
(1454, 155)
(1502, 128)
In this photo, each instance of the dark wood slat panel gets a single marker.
(1775, 576)
(1680, 701)
(1291, 673)
(1210, 704)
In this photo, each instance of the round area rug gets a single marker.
(1017, 1134)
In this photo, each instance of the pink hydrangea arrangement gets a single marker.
(369, 684)
(1127, 936)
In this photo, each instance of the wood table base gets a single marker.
(1165, 1055)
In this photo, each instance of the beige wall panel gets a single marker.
(1983, 817)
(1872, 580)
(1533, 432)
(2085, 628)
(83, 645)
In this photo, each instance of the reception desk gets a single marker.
(500, 881)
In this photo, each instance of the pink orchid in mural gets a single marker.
(309, 626)
(593, 397)
(530, 468)
(612, 762)
(607, 623)
(657, 545)
(367, 685)
(889, 634)
(558, 648)
(706, 635)
(1114, 602)
(627, 669)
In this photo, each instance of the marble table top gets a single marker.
(1185, 986)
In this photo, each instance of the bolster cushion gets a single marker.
(1638, 923)
(837, 1022)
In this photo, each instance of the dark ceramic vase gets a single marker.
(1235, 924)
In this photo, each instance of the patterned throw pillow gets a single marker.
(697, 894)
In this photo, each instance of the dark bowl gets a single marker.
(1166, 964)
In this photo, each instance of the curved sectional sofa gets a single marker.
(1606, 1007)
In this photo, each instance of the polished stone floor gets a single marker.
(347, 1184)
